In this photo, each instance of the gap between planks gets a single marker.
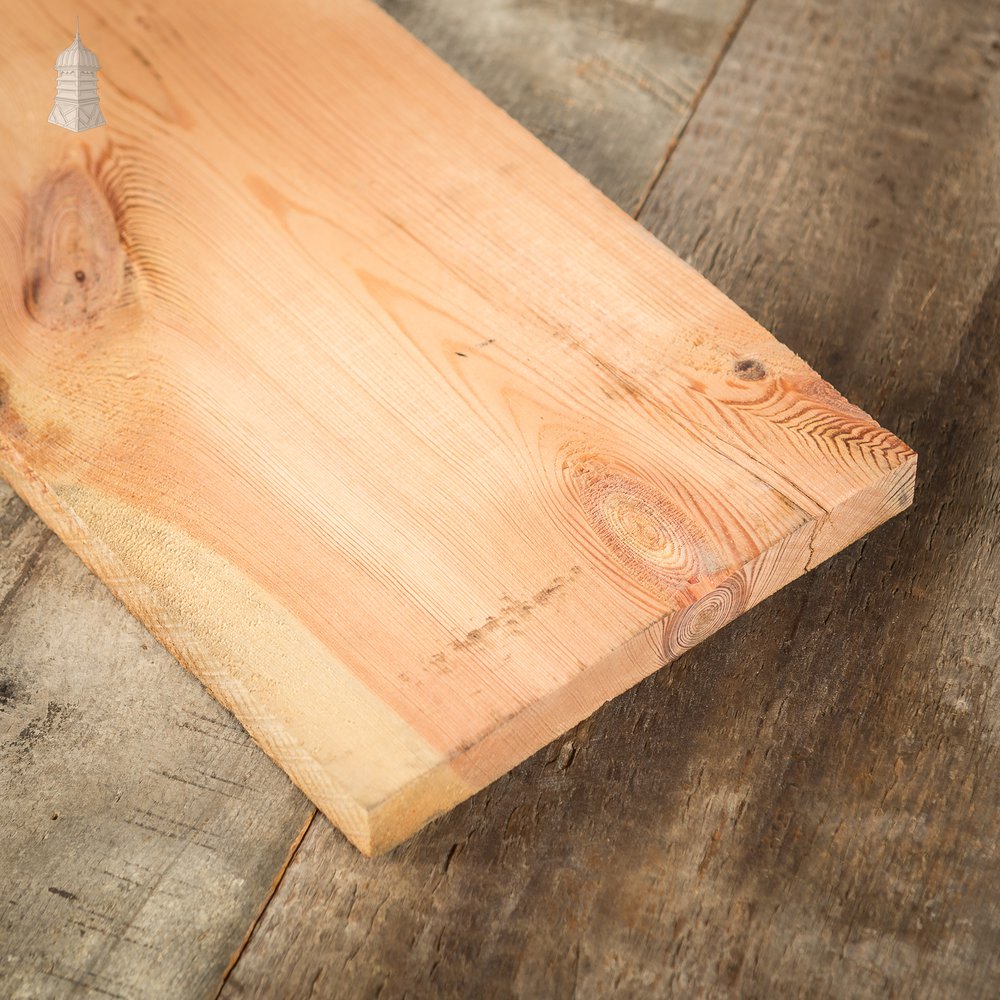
(727, 42)
(292, 851)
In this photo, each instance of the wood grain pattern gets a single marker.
(804, 805)
(423, 471)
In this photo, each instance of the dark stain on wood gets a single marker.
(512, 613)
(142, 58)
(40, 727)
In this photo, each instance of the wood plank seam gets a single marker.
(674, 142)
(266, 901)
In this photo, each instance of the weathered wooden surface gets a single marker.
(141, 826)
(449, 453)
(805, 805)
(100, 649)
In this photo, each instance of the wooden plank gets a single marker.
(190, 957)
(609, 86)
(803, 805)
(141, 826)
(477, 455)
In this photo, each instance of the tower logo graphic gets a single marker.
(77, 105)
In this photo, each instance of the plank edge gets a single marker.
(397, 818)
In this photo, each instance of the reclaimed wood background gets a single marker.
(805, 805)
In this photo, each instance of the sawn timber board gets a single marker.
(395, 431)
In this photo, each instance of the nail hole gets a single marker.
(80, 276)
(750, 369)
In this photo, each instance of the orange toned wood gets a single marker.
(402, 437)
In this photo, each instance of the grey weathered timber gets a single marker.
(141, 828)
(171, 825)
(807, 804)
